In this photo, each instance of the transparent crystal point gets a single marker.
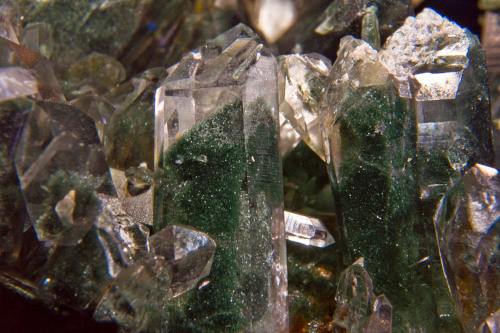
(123, 239)
(59, 152)
(217, 157)
(306, 230)
(135, 299)
(441, 66)
(303, 83)
(189, 252)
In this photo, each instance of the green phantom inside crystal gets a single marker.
(205, 185)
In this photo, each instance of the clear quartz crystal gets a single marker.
(188, 251)
(469, 237)
(440, 65)
(60, 166)
(303, 82)
(216, 153)
(306, 230)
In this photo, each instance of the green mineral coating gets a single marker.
(58, 185)
(129, 137)
(379, 200)
(77, 283)
(218, 182)
(83, 26)
(204, 193)
(12, 210)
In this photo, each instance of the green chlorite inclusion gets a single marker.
(219, 181)
(378, 196)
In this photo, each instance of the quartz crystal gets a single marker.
(302, 86)
(469, 236)
(306, 230)
(343, 18)
(141, 186)
(358, 310)
(216, 153)
(60, 164)
(189, 252)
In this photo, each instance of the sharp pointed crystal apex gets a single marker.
(304, 83)
(189, 251)
(307, 230)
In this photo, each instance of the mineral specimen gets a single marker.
(358, 310)
(306, 230)
(302, 87)
(164, 213)
(216, 151)
(469, 236)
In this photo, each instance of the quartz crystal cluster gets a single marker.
(155, 155)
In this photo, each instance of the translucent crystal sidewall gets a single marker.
(216, 146)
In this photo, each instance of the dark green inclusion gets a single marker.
(223, 178)
(378, 194)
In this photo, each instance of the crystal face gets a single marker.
(306, 230)
(216, 151)
(189, 253)
(141, 184)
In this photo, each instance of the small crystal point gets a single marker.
(303, 83)
(306, 230)
(190, 252)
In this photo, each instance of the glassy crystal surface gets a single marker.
(188, 251)
(372, 129)
(136, 297)
(60, 165)
(302, 87)
(306, 230)
(16, 82)
(468, 234)
(358, 310)
(123, 239)
(84, 26)
(342, 18)
(272, 18)
(429, 142)
(216, 150)
(448, 85)
(95, 72)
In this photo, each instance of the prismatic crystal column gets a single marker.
(218, 167)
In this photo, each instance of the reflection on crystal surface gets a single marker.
(189, 252)
(136, 297)
(306, 230)
(301, 94)
(16, 82)
(216, 149)
(123, 239)
(469, 236)
(59, 152)
(358, 310)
